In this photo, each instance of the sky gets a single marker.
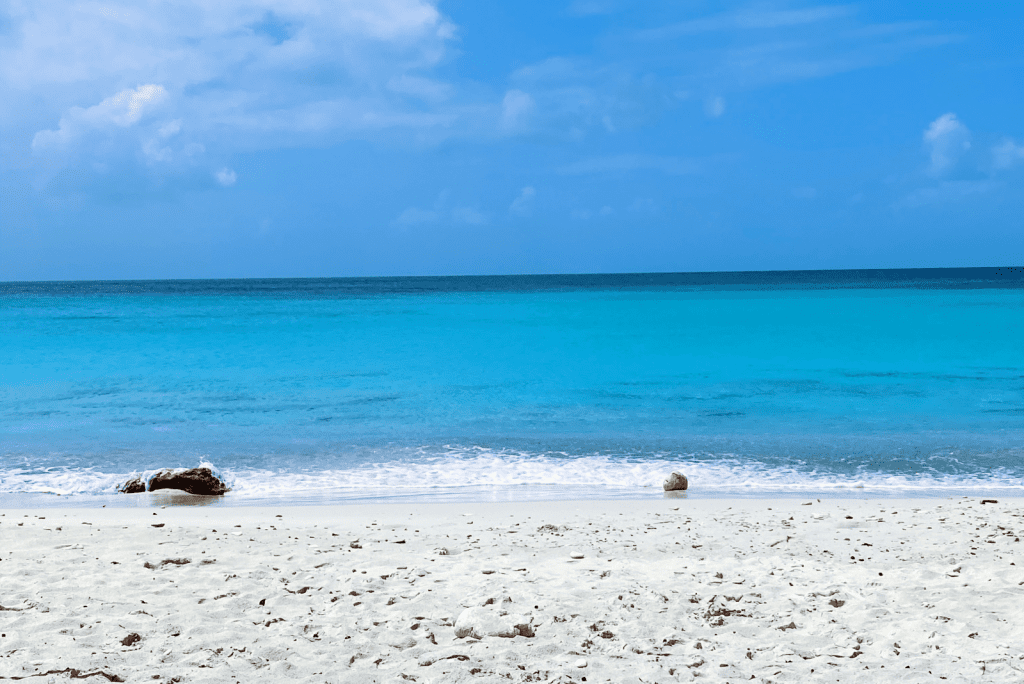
(309, 138)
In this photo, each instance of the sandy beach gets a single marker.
(908, 590)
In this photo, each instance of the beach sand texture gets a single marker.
(668, 590)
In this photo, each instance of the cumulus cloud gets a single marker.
(1007, 154)
(523, 205)
(122, 110)
(226, 177)
(235, 73)
(170, 128)
(946, 140)
(441, 213)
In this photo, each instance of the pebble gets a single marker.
(577, 555)
(582, 662)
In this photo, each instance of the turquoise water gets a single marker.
(894, 381)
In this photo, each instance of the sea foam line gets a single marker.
(511, 470)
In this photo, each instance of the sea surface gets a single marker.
(847, 383)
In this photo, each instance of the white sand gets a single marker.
(667, 590)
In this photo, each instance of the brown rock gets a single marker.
(193, 481)
(133, 486)
(675, 482)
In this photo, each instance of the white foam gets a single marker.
(477, 469)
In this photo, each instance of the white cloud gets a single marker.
(1007, 154)
(585, 8)
(122, 110)
(714, 107)
(516, 108)
(240, 73)
(760, 45)
(154, 152)
(947, 191)
(946, 139)
(469, 215)
(587, 214)
(170, 128)
(226, 177)
(631, 162)
(423, 88)
(749, 19)
(571, 97)
(523, 205)
(414, 216)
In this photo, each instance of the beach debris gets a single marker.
(199, 481)
(73, 673)
(431, 658)
(675, 482)
(988, 501)
(524, 629)
(167, 561)
(131, 639)
(479, 622)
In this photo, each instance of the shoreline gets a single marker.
(768, 590)
(529, 494)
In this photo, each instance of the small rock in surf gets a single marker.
(676, 482)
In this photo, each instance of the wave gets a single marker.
(483, 470)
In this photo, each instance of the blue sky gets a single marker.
(146, 139)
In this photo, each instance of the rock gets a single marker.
(675, 482)
(131, 639)
(193, 481)
(524, 629)
(576, 555)
(582, 662)
(133, 486)
(480, 622)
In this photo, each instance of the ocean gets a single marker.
(802, 383)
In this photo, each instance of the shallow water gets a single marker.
(894, 382)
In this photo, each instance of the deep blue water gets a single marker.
(751, 383)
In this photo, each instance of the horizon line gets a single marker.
(1019, 269)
